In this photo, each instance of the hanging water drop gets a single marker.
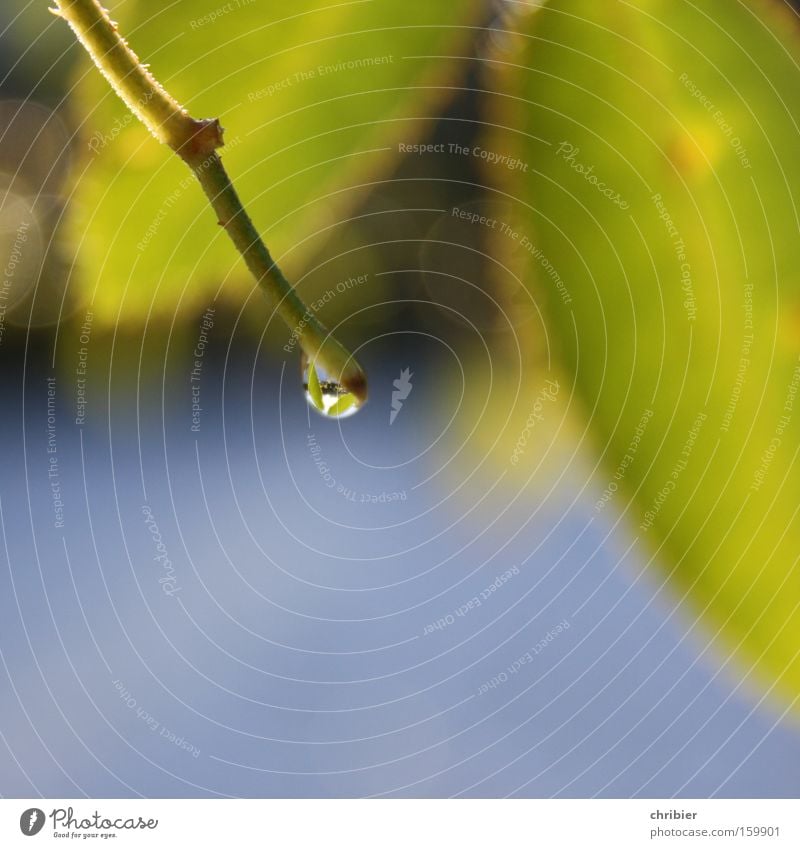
(327, 396)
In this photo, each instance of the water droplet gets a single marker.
(326, 396)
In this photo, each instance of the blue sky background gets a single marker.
(292, 658)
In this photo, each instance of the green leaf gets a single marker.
(315, 100)
(341, 405)
(661, 181)
(314, 388)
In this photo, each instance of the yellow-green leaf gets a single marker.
(314, 388)
(315, 100)
(661, 182)
(341, 405)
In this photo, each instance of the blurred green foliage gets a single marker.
(663, 186)
(313, 99)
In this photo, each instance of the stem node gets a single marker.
(203, 137)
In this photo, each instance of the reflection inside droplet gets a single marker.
(324, 395)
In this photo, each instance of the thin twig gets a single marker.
(196, 142)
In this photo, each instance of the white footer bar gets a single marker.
(401, 823)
